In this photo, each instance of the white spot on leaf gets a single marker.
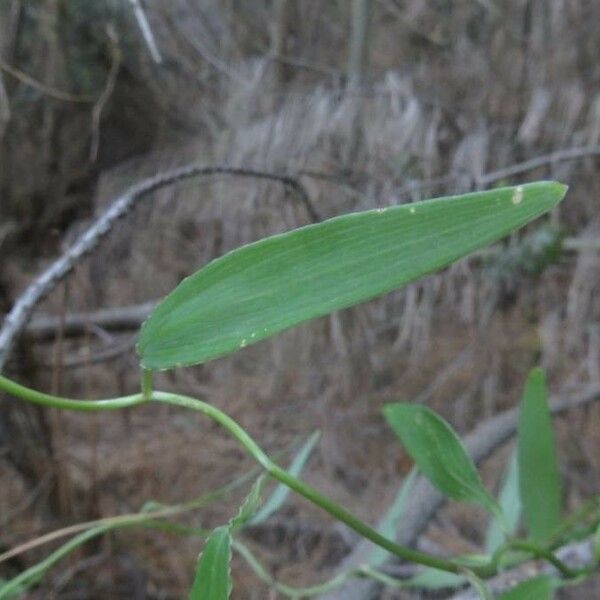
(517, 196)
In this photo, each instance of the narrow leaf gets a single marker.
(262, 288)
(438, 453)
(510, 503)
(279, 495)
(434, 579)
(538, 588)
(539, 478)
(388, 525)
(213, 578)
(249, 506)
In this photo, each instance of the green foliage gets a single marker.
(538, 588)
(278, 497)
(388, 524)
(539, 479)
(212, 580)
(262, 288)
(510, 503)
(275, 283)
(434, 579)
(213, 577)
(438, 453)
(249, 506)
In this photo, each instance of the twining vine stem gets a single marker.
(305, 490)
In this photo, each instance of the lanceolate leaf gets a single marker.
(438, 453)
(275, 283)
(539, 479)
(213, 579)
(249, 506)
(510, 503)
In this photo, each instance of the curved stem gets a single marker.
(304, 489)
(537, 552)
(252, 448)
(50, 401)
(282, 588)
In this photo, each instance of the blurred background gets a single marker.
(364, 103)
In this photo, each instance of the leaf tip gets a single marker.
(537, 376)
(559, 190)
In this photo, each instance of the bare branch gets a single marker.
(109, 87)
(425, 501)
(539, 161)
(21, 311)
(109, 353)
(124, 318)
(43, 88)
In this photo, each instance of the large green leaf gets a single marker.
(438, 453)
(262, 288)
(539, 479)
(538, 588)
(213, 579)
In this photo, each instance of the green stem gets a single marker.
(25, 393)
(537, 552)
(281, 475)
(146, 381)
(282, 588)
(253, 449)
(310, 493)
(583, 513)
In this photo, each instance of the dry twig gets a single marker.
(45, 89)
(109, 87)
(21, 311)
(142, 20)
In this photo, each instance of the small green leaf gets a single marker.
(278, 497)
(538, 588)
(434, 579)
(438, 453)
(213, 578)
(249, 506)
(510, 503)
(539, 479)
(280, 281)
